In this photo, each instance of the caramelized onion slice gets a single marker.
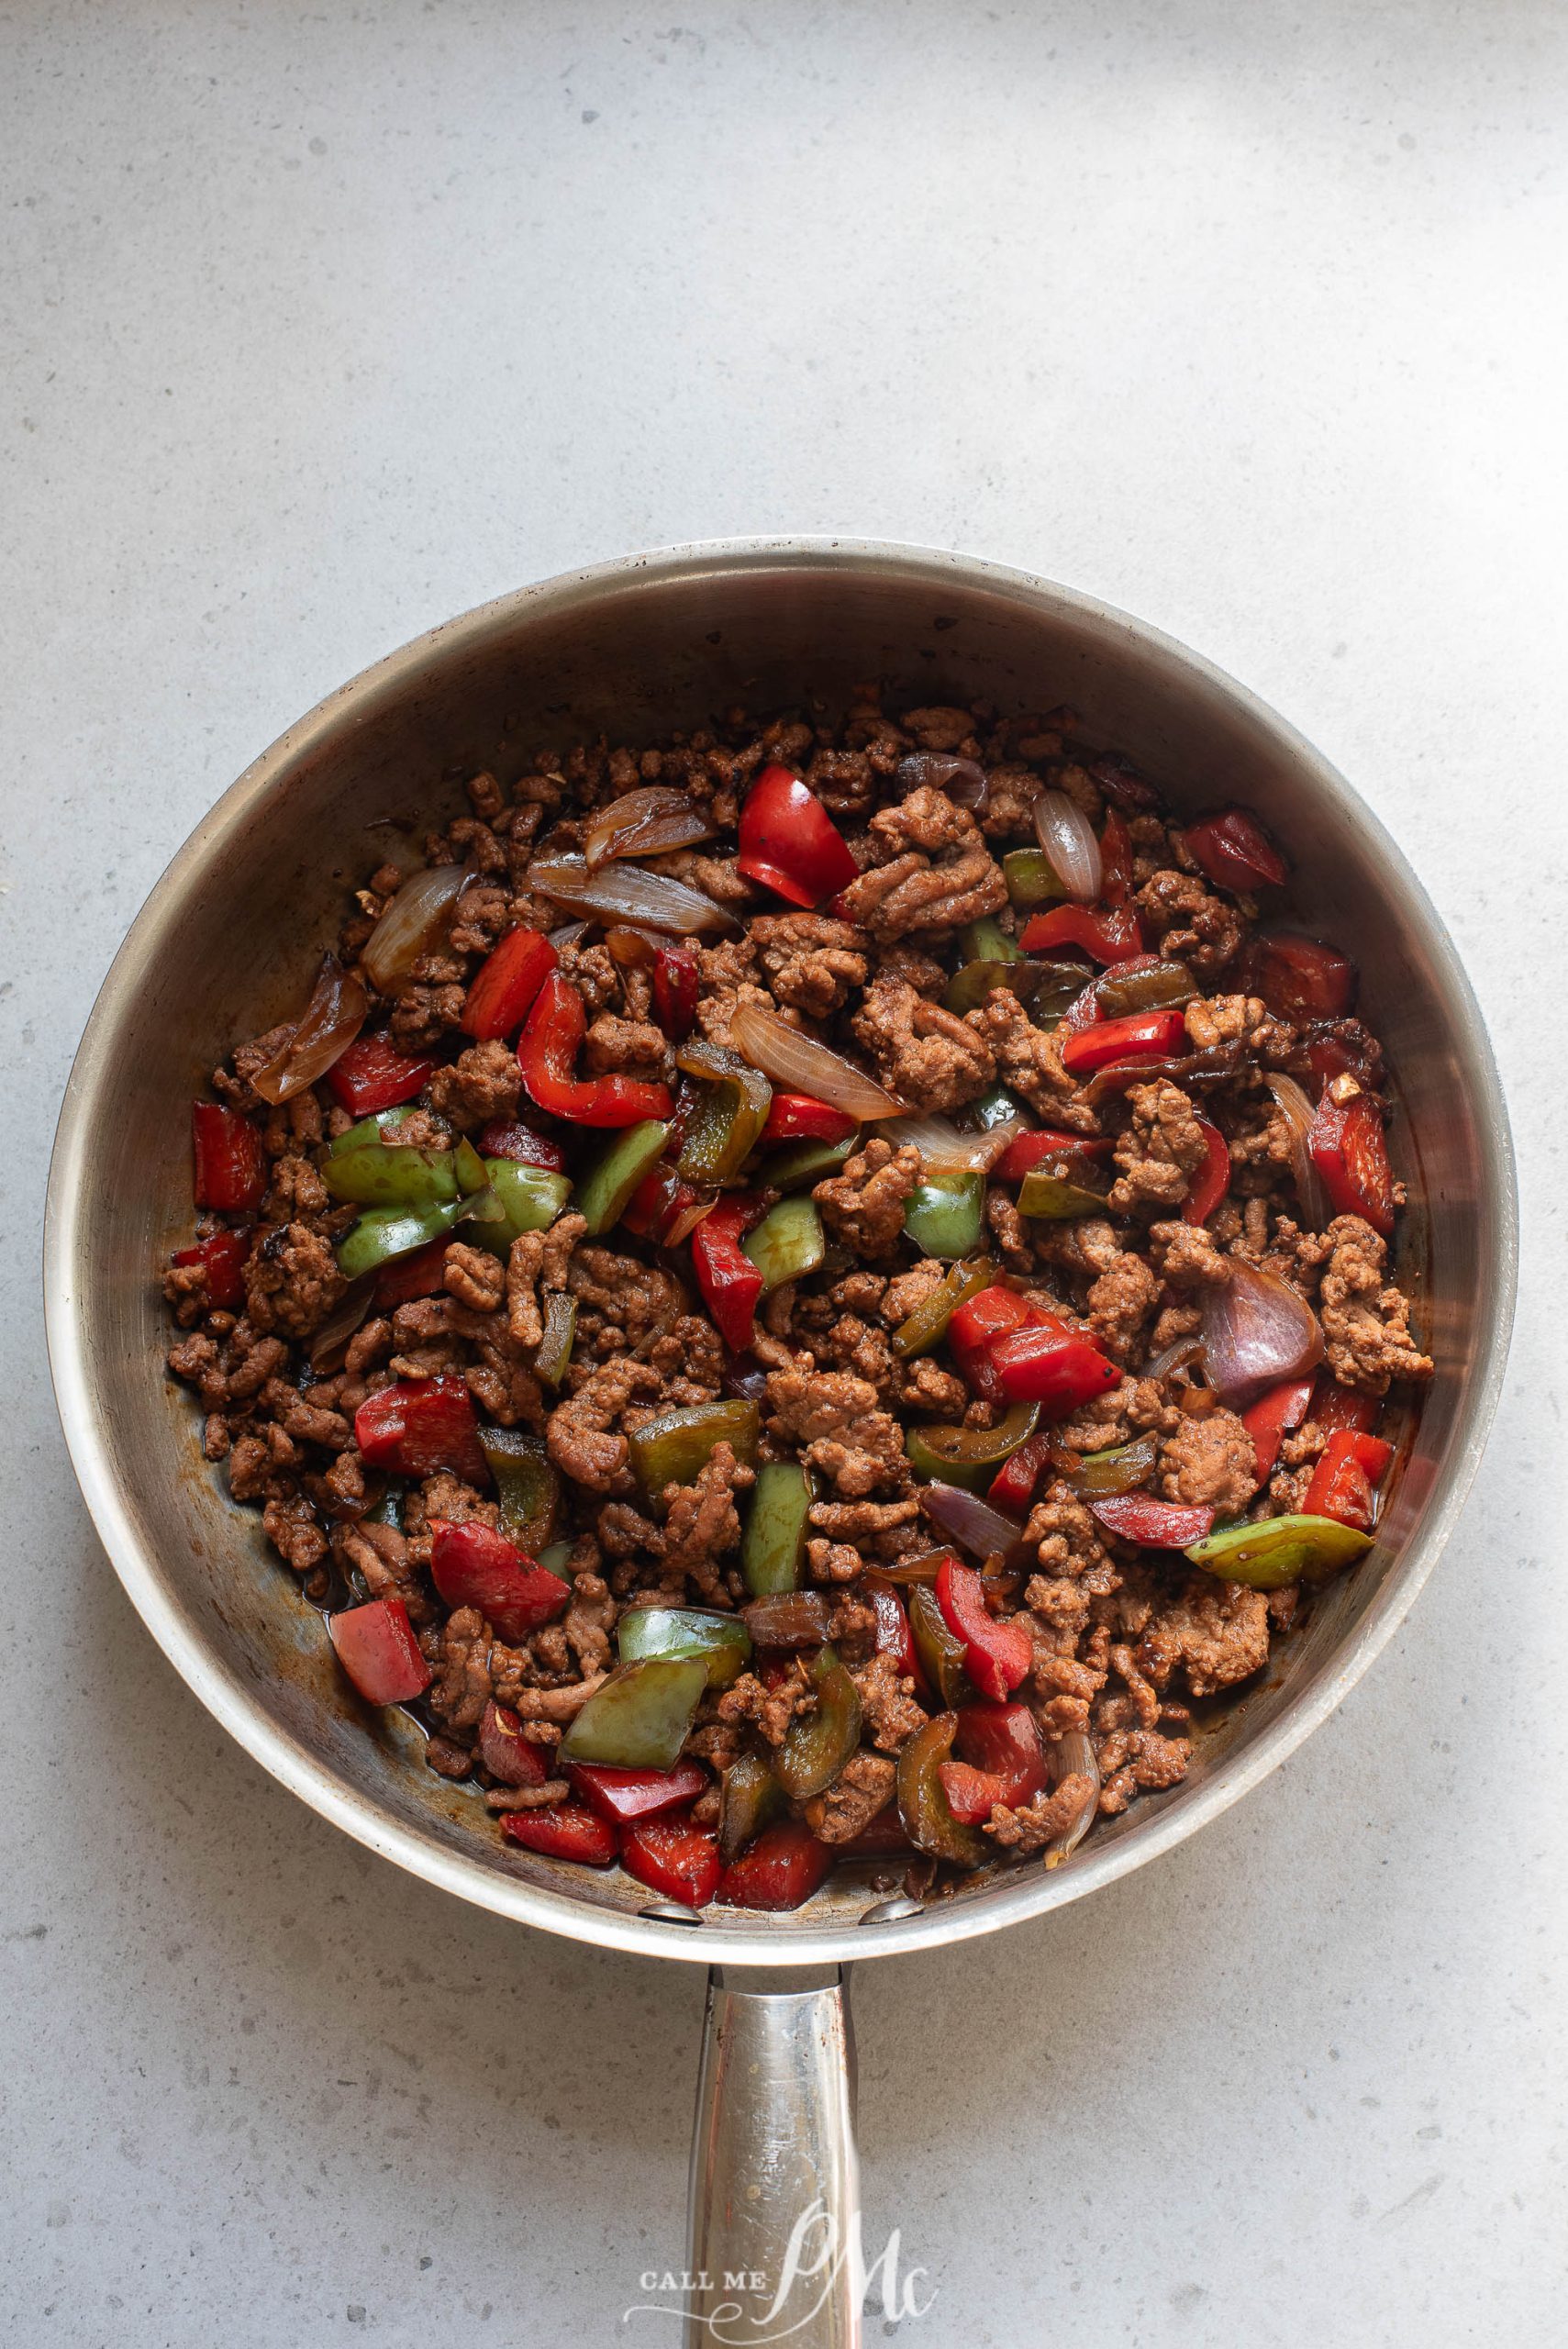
(787, 1619)
(330, 1342)
(800, 1064)
(1066, 835)
(417, 917)
(944, 1151)
(1256, 1332)
(333, 1017)
(644, 823)
(1296, 1110)
(975, 1525)
(627, 894)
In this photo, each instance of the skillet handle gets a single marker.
(776, 2246)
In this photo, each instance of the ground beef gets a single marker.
(934, 871)
(863, 1206)
(1160, 1152)
(930, 1058)
(1122, 1639)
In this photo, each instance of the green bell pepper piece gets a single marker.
(527, 1486)
(1121, 992)
(1122, 1468)
(468, 1166)
(939, 1649)
(670, 1448)
(947, 1219)
(750, 1796)
(1280, 1550)
(730, 1112)
(369, 1129)
(721, 1641)
(816, 1750)
(638, 1718)
(788, 1243)
(1052, 1194)
(1031, 878)
(380, 1174)
(554, 1349)
(800, 1162)
(556, 1558)
(926, 1326)
(530, 1198)
(987, 942)
(773, 1548)
(605, 1185)
(970, 1456)
(1045, 989)
(384, 1232)
(923, 1805)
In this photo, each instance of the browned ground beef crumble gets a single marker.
(1125, 1639)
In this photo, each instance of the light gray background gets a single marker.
(320, 325)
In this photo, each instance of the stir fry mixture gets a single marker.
(807, 1294)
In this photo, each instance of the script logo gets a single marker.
(746, 2309)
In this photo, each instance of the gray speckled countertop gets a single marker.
(321, 325)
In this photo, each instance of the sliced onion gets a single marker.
(787, 1619)
(945, 1151)
(1256, 1332)
(1075, 1758)
(1174, 1357)
(417, 917)
(975, 1525)
(1296, 1110)
(645, 823)
(966, 785)
(330, 1342)
(333, 1017)
(627, 894)
(567, 935)
(801, 1065)
(1066, 835)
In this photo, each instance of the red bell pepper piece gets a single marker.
(790, 843)
(231, 1162)
(1057, 1372)
(419, 1426)
(1111, 935)
(974, 1327)
(1351, 1153)
(1334, 1406)
(997, 1655)
(1116, 860)
(547, 1049)
(730, 1283)
(1302, 981)
(507, 981)
(371, 1074)
(1210, 1181)
(795, 1116)
(1343, 1483)
(506, 1752)
(565, 1831)
(1004, 1741)
(673, 1858)
(1025, 1152)
(473, 1566)
(1235, 851)
(222, 1257)
(1158, 1525)
(676, 990)
(972, 1794)
(1343, 1048)
(779, 1870)
(1282, 1407)
(1013, 1485)
(625, 1794)
(1152, 1035)
(377, 1649)
(664, 1206)
(893, 1635)
(421, 1273)
(508, 1138)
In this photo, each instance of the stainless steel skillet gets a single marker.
(633, 648)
